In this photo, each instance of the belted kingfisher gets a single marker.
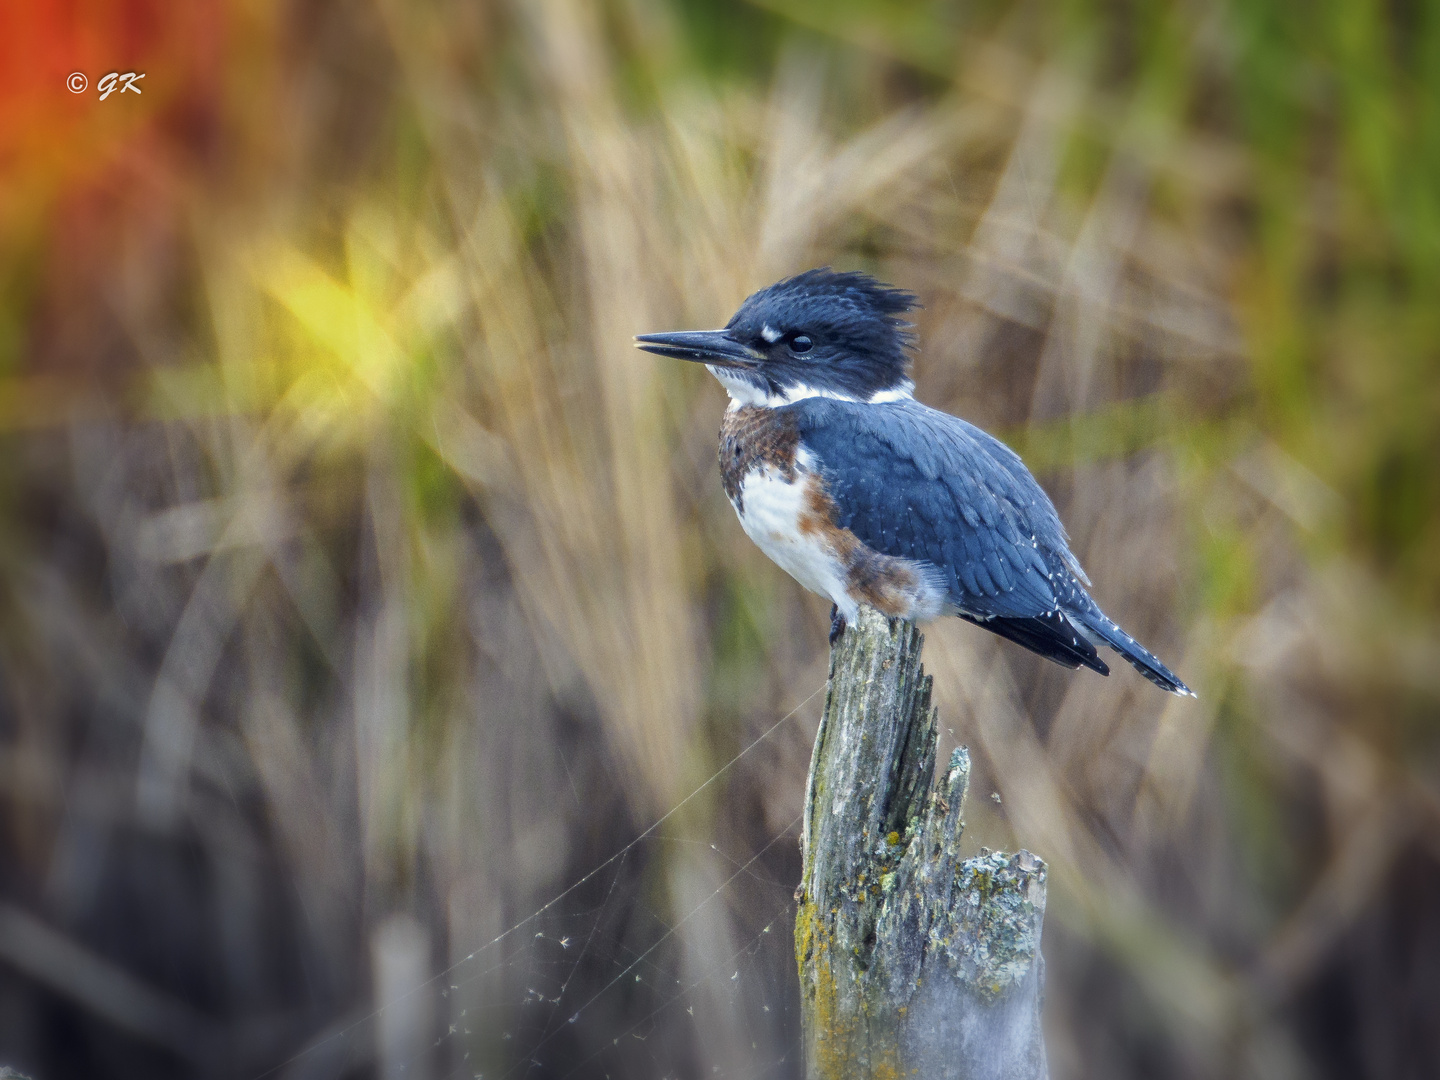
(864, 495)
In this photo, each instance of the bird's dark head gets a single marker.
(819, 333)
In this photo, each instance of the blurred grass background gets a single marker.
(361, 587)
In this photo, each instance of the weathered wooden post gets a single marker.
(912, 961)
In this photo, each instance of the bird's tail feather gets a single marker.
(1107, 631)
(1051, 635)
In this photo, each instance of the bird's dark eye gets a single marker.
(800, 343)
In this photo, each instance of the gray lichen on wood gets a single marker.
(913, 961)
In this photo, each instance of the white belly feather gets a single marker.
(770, 509)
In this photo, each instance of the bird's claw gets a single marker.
(837, 624)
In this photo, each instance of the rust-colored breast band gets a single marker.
(752, 437)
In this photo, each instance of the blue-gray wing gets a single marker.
(916, 483)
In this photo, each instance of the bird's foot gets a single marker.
(837, 624)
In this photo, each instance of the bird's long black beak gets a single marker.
(715, 347)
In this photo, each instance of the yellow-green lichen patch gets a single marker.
(842, 1041)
